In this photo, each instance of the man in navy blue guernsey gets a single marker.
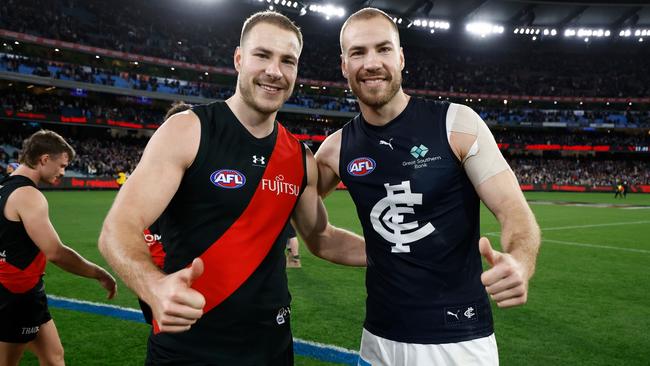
(417, 171)
(225, 178)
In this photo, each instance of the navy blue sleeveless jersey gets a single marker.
(250, 325)
(420, 218)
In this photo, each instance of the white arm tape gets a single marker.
(483, 160)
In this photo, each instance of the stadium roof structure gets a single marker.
(540, 13)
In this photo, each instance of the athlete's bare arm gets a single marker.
(327, 158)
(507, 280)
(497, 186)
(324, 240)
(28, 205)
(140, 201)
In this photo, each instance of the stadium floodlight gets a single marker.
(516, 31)
(16, 42)
(484, 29)
(534, 38)
(546, 32)
(553, 32)
(327, 10)
(56, 50)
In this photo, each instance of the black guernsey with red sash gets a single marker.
(231, 210)
(22, 263)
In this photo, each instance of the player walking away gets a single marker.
(27, 241)
(418, 197)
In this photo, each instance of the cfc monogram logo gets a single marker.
(387, 217)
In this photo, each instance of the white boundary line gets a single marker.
(587, 245)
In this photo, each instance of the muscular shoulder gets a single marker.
(177, 139)
(25, 200)
(329, 151)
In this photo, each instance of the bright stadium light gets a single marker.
(483, 29)
(327, 10)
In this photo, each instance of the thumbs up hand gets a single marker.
(507, 280)
(175, 305)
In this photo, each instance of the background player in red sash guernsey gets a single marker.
(416, 170)
(27, 241)
(225, 178)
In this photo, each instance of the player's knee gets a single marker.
(54, 356)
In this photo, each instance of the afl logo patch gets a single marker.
(228, 178)
(361, 166)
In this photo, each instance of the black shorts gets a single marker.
(21, 315)
(146, 311)
(291, 232)
(225, 339)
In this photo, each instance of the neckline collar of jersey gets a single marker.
(261, 140)
(402, 115)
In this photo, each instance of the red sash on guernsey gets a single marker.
(230, 260)
(18, 280)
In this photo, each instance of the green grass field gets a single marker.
(589, 303)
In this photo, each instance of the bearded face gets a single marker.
(267, 63)
(372, 60)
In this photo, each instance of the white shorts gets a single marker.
(378, 351)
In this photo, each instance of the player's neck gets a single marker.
(28, 172)
(257, 123)
(386, 113)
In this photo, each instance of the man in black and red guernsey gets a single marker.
(27, 241)
(225, 178)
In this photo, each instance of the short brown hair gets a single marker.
(273, 18)
(366, 14)
(177, 107)
(44, 142)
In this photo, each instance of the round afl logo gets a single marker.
(361, 166)
(228, 178)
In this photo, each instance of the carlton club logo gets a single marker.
(361, 166)
(228, 178)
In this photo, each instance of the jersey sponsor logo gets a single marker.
(259, 160)
(228, 178)
(387, 217)
(387, 143)
(151, 239)
(461, 314)
(361, 166)
(3, 256)
(278, 185)
(419, 151)
(30, 330)
(283, 313)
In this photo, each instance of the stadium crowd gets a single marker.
(204, 41)
(101, 156)
(580, 171)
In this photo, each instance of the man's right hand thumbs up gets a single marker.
(176, 306)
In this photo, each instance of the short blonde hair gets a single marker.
(273, 18)
(366, 14)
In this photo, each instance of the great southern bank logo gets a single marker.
(361, 166)
(228, 178)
